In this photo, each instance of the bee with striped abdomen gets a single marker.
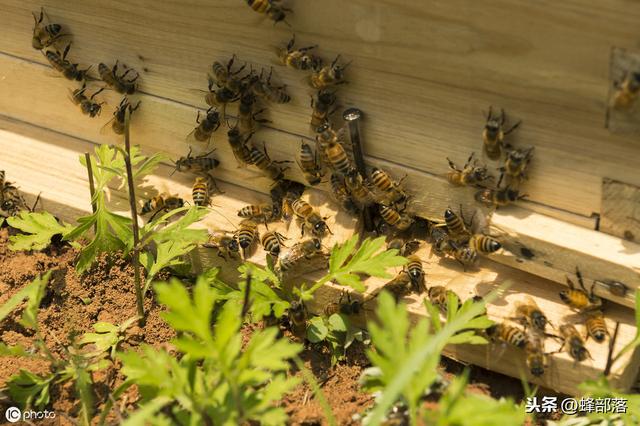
(297, 317)
(200, 192)
(119, 115)
(299, 252)
(627, 91)
(269, 167)
(224, 76)
(516, 163)
(198, 164)
(393, 217)
(456, 226)
(471, 174)
(416, 273)
(345, 305)
(300, 58)
(119, 83)
(502, 332)
(60, 63)
(358, 188)
(45, 35)
(392, 192)
(238, 143)
(338, 159)
(484, 244)
(400, 285)
(465, 255)
(529, 314)
(536, 358)
(225, 242)
(247, 117)
(439, 296)
(268, 92)
(342, 195)
(578, 298)
(596, 326)
(309, 165)
(328, 75)
(310, 217)
(321, 107)
(494, 133)
(220, 97)
(263, 212)
(247, 234)
(405, 248)
(272, 242)
(87, 105)
(205, 128)
(161, 203)
(272, 8)
(574, 343)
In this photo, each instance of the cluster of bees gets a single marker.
(119, 77)
(11, 201)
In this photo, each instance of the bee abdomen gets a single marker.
(485, 244)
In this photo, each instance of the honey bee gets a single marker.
(578, 298)
(456, 226)
(60, 63)
(272, 8)
(272, 242)
(220, 97)
(464, 254)
(626, 91)
(358, 189)
(494, 133)
(285, 189)
(405, 248)
(342, 195)
(338, 159)
(239, 147)
(247, 233)
(266, 91)
(393, 192)
(516, 163)
(11, 201)
(508, 334)
(206, 127)
(117, 122)
(529, 314)
(310, 217)
(499, 197)
(87, 105)
(484, 244)
(399, 285)
(439, 295)
(247, 118)
(224, 77)
(536, 358)
(225, 242)
(393, 217)
(45, 35)
(416, 273)
(299, 59)
(596, 327)
(302, 250)
(270, 167)
(344, 306)
(574, 343)
(200, 191)
(471, 173)
(265, 212)
(119, 83)
(309, 165)
(321, 108)
(297, 315)
(161, 203)
(198, 164)
(328, 75)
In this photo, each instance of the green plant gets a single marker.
(337, 332)
(107, 336)
(215, 380)
(405, 359)
(38, 229)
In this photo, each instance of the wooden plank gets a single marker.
(622, 120)
(620, 210)
(553, 249)
(432, 70)
(64, 174)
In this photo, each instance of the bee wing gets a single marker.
(107, 126)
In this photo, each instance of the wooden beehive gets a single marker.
(423, 74)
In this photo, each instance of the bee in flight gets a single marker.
(60, 63)
(300, 58)
(494, 133)
(87, 105)
(198, 164)
(205, 128)
(118, 120)
(578, 298)
(119, 83)
(45, 35)
(272, 8)
(627, 91)
(225, 242)
(328, 75)
(471, 173)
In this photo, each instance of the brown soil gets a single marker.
(72, 304)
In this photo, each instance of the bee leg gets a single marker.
(66, 51)
(291, 43)
(515, 126)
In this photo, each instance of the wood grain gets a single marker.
(623, 121)
(64, 186)
(620, 210)
(422, 74)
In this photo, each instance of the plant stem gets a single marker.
(92, 185)
(134, 220)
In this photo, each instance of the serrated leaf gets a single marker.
(34, 297)
(30, 390)
(38, 228)
(341, 252)
(15, 300)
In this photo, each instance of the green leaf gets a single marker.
(36, 293)
(17, 350)
(38, 229)
(30, 390)
(341, 253)
(317, 330)
(146, 412)
(338, 323)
